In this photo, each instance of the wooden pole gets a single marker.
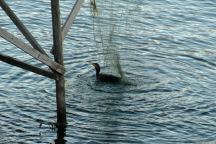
(33, 52)
(71, 17)
(21, 27)
(58, 55)
(26, 66)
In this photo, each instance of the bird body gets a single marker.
(108, 78)
(105, 77)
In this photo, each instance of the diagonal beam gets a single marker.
(33, 52)
(21, 27)
(26, 66)
(71, 17)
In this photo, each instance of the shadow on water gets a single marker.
(99, 112)
(106, 122)
(111, 134)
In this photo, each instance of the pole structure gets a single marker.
(21, 27)
(59, 58)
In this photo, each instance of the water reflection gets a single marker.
(100, 114)
(109, 121)
(169, 52)
(61, 132)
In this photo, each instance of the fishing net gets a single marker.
(110, 25)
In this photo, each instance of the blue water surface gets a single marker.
(167, 50)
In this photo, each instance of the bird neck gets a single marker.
(97, 71)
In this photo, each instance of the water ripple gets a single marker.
(167, 51)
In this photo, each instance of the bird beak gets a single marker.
(91, 63)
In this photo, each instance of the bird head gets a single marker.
(97, 67)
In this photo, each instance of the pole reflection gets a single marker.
(61, 133)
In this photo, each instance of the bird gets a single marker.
(105, 77)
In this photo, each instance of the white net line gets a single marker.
(110, 23)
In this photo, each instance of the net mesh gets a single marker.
(110, 24)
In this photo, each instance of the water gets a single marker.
(169, 53)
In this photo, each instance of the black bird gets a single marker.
(105, 77)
